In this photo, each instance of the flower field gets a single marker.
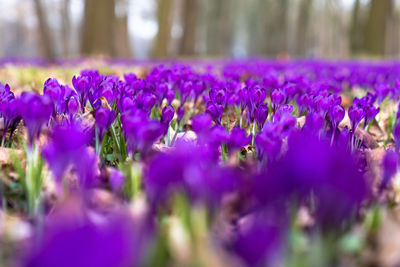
(200, 163)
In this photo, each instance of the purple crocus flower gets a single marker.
(201, 122)
(162, 90)
(199, 86)
(322, 104)
(185, 90)
(82, 85)
(106, 90)
(268, 142)
(104, 118)
(188, 169)
(277, 98)
(215, 111)
(55, 92)
(35, 111)
(258, 242)
(140, 132)
(5, 92)
(290, 90)
(304, 102)
(72, 238)
(238, 138)
(243, 98)
(72, 106)
(382, 90)
(170, 96)
(314, 124)
(396, 134)
(390, 165)
(180, 113)
(167, 114)
(356, 114)
(330, 173)
(9, 110)
(218, 96)
(68, 147)
(257, 95)
(201, 125)
(336, 113)
(116, 179)
(261, 115)
(370, 98)
(370, 113)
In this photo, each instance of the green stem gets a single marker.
(253, 132)
(136, 179)
(168, 136)
(97, 142)
(333, 135)
(175, 135)
(33, 181)
(115, 139)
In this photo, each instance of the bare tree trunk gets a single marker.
(225, 34)
(164, 17)
(121, 41)
(274, 26)
(212, 26)
(257, 21)
(66, 28)
(281, 27)
(391, 32)
(98, 28)
(302, 26)
(188, 42)
(44, 31)
(356, 31)
(379, 11)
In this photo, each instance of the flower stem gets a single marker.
(33, 180)
(175, 135)
(97, 141)
(333, 135)
(253, 132)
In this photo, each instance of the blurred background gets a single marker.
(199, 28)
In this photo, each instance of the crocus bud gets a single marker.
(238, 138)
(257, 95)
(116, 180)
(201, 122)
(277, 98)
(370, 113)
(396, 134)
(261, 114)
(390, 164)
(35, 111)
(52, 89)
(336, 114)
(167, 114)
(356, 114)
(104, 118)
(72, 106)
(180, 113)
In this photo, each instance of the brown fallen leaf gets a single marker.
(376, 131)
(367, 140)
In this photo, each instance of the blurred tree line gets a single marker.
(222, 28)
